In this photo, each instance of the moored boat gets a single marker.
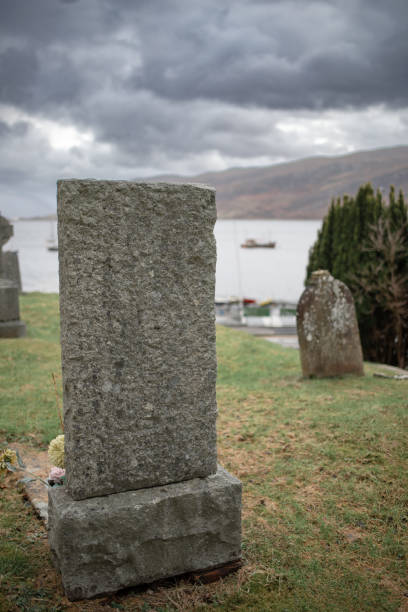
(250, 243)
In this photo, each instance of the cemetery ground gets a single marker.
(323, 465)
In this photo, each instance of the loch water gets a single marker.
(252, 273)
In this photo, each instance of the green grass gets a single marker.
(323, 465)
(24, 558)
(28, 406)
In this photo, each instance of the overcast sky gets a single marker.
(133, 88)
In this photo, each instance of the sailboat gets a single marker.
(52, 244)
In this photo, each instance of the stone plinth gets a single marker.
(137, 278)
(12, 329)
(106, 543)
(329, 338)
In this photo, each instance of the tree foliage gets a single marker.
(364, 243)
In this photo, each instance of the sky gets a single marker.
(125, 89)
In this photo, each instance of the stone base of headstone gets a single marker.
(103, 544)
(12, 329)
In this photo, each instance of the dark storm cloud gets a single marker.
(182, 85)
(31, 82)
(20, 128)
(282, 54)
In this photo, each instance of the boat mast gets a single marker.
(238, 262)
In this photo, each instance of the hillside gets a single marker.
(301, 189)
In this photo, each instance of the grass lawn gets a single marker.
(323, 465)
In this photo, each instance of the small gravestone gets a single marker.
(329, 338)
(10, 324)
(6, 232)
(11, 268)
(144, 498)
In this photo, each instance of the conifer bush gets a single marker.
(364, 243)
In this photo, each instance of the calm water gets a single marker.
(263, 273)
(257, 273)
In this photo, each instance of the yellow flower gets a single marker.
(7, 456)
(56, 451)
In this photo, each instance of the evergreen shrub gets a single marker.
(363, 242)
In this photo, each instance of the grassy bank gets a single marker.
(323, 465)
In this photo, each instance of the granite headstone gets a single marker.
(137, 278)
(10, 324)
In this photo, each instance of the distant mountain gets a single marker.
(300, 189)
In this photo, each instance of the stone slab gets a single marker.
(37, 464)
(6, 231)
(103, 544)
(9, 305)
(12, 329)
(11, 268)
(329, 338)
(137, 281)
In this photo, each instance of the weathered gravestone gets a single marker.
(6, 232)
(144, 499)
(10, 324)
(11, 267)
(329, 339)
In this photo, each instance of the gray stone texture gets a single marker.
(6, 232)
(9, 305)
(12, 329)
(10, 325)
(106, 543)
(137, 276)
(329, 338)
(11, 268)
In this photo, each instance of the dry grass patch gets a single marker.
(323, 466)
